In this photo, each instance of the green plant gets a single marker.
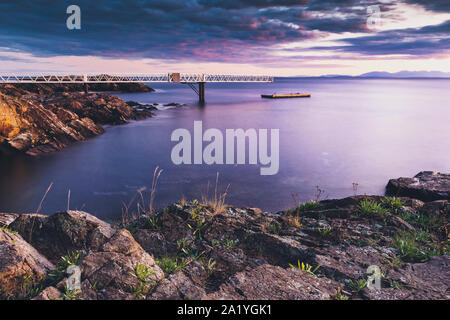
(192, 253)
(132, 228)
(368, 207)
(71, 294)
(274, 228)
(72, 258)
(30, 287)
(215, 243)
(183, 243)
(357, 285)
(229, 243)
(393, 204)
(210, 265)
(324, 231)
(309, 206)
(7, 229)
(143, 272)
(394, 284)
(195, 212)
(199, 227)
(339, 295)
(154, 223)
(171, 264)
(413, 246)
(305, 267)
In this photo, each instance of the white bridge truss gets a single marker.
(110, 78)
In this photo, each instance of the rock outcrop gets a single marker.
(48, 88)
(426, 186)
(21, 266)
(56, 235)
(191, 250)
(40, 123)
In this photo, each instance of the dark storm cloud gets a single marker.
(210, 30)
(415, 41)
(436, 5)
(200, 29)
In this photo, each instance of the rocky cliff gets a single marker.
(192, 250)
(39, 123)
(49, 88)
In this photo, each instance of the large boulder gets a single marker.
(425, 186)
(112, 272)
(21, 266)
(56, 235)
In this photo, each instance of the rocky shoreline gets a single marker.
(37, 119)
(205, 250)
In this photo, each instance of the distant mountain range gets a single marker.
(401, 74)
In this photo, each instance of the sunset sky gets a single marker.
(279, 37)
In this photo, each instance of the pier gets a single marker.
(196, 81)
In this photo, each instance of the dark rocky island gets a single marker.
(37, 119)
(192, 250)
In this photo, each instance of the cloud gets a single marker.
(428, 40)
(203, 30)
(433, 5)
(183, 29)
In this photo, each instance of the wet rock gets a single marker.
(56, 235)
(20, 265)
(174, 104)
(269, 282)
(141, 106)
(425, 186)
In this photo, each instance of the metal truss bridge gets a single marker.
(187, 78)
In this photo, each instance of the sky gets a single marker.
(276, 37)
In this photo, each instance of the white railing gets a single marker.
(101, 78)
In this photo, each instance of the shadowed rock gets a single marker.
(425, 186)
(56, 235)
(19, 263)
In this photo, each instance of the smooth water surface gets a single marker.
(349, 131)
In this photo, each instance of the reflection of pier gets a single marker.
(187, 78)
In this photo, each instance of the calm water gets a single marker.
(363, 131)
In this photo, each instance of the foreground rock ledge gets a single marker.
(198, 251)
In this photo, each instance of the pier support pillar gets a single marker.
(201, 92)
(86, 88)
